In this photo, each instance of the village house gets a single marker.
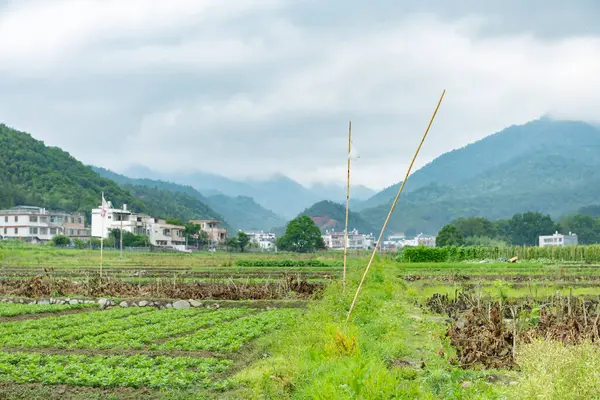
(159, 233)
(558, 239)
(264, 240)
(216, 233)
(38, 225)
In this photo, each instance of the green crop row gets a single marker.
(232, 335)
(68, 336)
(68, 321)
(141, 336)
(132, 371)
(589, 253)
(14, 309)
(286, 263)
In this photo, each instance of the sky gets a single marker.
(252, 88)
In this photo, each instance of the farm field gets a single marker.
(275, 327)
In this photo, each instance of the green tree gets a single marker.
(302, 235)
(526, 228)
(61, 240)
(242, 240)
(449, 235)
(475, 226)
(586, 227)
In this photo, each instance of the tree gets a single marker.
(449, 235)
(242, 240)
(302, 235)
(174, 221)
(586, 227)
(61, 240)
(475, 226)
(526, 228)
(129, 239)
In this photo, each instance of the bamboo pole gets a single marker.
(394, 206)
(101, 236)
(347, 205)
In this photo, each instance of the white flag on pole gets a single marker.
(104, 208)
(353, 155)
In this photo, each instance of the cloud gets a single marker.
(251, 88)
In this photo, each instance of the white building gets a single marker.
(420, 240)
(38, 225)
(159, 233)
(558, 239)
(356, 241)
(264, 240)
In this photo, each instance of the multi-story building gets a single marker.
(216, 233)
(159, 233)
(38, 225)
(558, 239)
(356, 241)
(163, 234)
(265, 241)
(420, 240)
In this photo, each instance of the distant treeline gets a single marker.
(523, 229)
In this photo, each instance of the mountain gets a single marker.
(163, 203)
(545, 165)
(329, 215)
(32, 173)
(244, 213)
(337, 192)
(280, 194)
(238, 212)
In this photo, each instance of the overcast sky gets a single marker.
(248, 88)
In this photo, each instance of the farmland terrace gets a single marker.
(274, 326)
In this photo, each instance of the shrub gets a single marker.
(425, 254)
(286, 263)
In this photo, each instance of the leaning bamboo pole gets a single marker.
(393, 206)
(347, 205)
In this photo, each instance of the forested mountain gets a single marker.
(163, 203)
(280, 194)
(329, 215)
(35, 174)
(548, 166)
(244, 213)
(238, 212)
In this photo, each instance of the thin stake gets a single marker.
(392, 208)
(347, 204)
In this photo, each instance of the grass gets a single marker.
(377, 356)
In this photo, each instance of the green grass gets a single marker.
(553, 371)
(376, 356)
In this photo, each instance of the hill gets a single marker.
(163, 203)
(238, 212)
(545, 165)
(329, 215)
(35, 174)
(244, 213)
(280, 194)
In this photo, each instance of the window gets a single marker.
(71, 232)
(5, 231)
(16, 231)
(72, 220)
(33, 230)
(33, 218)
(44, 220)
(53, 231)
(59, 220)
(43, 231)
(16, 218)
(52, 219)
(79, 220)
(6, 219)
